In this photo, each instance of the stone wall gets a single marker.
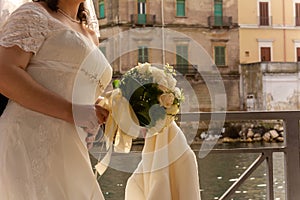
(275, 85)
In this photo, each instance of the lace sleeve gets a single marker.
(27, 28)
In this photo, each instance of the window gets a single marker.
(298, 54)
(264, 14)
(297, 50)
(141, 6)
(218, 13)
(103, 50)
(219, 55)
(265, 53)
(297, 9)
(180, 8)
(101, 9)
(265, 49)
(143, 54)
(141, 11)
(182, 64)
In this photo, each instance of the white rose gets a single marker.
(144, 68)
(177, 93)
(171, 81)
(159, 77)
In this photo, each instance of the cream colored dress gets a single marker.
(43, 157)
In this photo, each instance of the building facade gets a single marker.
(269, 53)
(199, 38)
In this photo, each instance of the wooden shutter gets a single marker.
(264, 13)
(143, 54)
(220, 55)
(298, 54)
(218, 13)
(181, 55)
(101, 9)
(182, 59)
(180, 8)
(265, 53)
(297, 6)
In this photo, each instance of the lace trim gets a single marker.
(27, 28)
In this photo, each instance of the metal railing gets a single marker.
(186, 69)
(290, 149)
(265, 20)
(297, 21)
(143, 19)
(219, 21)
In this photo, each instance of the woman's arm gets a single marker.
(18, 85)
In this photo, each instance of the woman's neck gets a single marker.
(70, 7)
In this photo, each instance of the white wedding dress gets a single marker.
(43, 157)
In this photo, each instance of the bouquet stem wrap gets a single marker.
(120, 128)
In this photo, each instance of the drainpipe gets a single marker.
(120, 37)
(163, 32)
(284, 31)
(120, 48)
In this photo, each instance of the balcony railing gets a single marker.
(297, 20)
(219, 21)
(186, 69)
(290, 149)
(265, 20)
(143, 19)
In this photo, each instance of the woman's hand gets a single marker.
(89, 117)
(90, 139)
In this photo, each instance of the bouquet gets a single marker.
(145, 98)
(152, 94)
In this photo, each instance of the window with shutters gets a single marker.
(219, 55)
(143, 54)
(297, 14)
(265, 54)
(101, 9)
(182, 63)
(298, 54)
(180, 8)
(264, 19)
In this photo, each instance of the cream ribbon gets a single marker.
(120, 128)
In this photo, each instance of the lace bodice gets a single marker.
(64, 60)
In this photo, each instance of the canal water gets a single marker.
(217, 173)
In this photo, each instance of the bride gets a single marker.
(52, 72)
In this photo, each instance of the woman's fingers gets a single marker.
(89, 145)
(90, 141)
(93, 131)
(90, 138)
